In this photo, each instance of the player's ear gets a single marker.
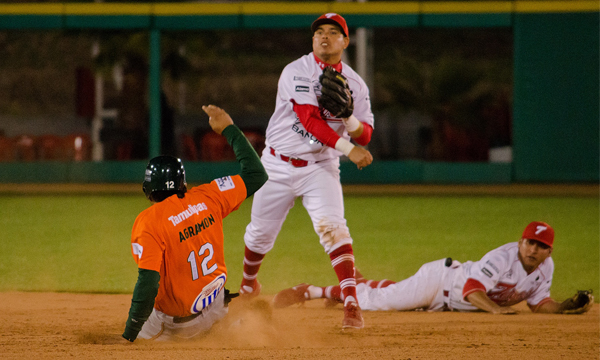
(346, 42)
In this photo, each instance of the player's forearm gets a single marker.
(363, 135)
(310, 118)
(142, 302)
(548, 307)
(253, 173)
(483, 302)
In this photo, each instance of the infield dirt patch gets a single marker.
(85, 326)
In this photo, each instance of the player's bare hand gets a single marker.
(361, 157)
(218, 119)
(505, 310)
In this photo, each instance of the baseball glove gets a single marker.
(579, 303)
(335, 93)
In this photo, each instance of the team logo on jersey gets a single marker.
(191, 210)
(225, 183)
(208, 294)
(300, 88)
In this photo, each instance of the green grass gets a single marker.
(82, 243)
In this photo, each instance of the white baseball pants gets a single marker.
(161, 327)
(422, 290)
(319, 186)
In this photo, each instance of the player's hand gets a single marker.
(218, 119)
(504, 310)
(361, 157)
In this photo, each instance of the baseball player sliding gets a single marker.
(504, 277)
(177, 242)
(321, 104)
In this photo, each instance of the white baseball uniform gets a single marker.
(437, 287)
(301, 165)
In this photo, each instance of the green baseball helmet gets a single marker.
(165, 174)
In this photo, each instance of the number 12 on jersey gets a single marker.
(202, 254)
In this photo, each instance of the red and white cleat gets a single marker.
(250, 291)
(352, 317)
(288, 297)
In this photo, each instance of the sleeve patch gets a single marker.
(137, 249)
(300, 88)
(487, 272)
(225, 183)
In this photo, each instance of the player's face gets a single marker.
(532, 253)
(329, 43)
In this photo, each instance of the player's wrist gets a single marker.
(351, 123)
(344, 146)
(130, 334)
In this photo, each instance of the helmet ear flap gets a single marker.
(166, 175)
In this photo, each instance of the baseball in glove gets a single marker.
(335, 93)
(579, 303)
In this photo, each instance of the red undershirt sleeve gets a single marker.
(310, 117)
(365, 137)
(472, 286)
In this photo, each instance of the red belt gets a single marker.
(287, 159)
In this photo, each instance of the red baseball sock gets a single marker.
(333, 293)
(252, 262)
(342, 260)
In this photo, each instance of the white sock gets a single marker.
(349, 299)
(314, 292)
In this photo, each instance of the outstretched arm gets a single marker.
(580, 303)
(252, 173)
(482, 301)
(548, 306)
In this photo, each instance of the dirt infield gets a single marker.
(84, 326)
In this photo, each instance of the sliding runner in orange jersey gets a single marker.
(177, 242)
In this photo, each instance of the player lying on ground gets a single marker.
(177, 242)
(504, 277)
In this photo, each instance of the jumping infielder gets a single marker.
(177, 242)
(321, 104)
(504, 277)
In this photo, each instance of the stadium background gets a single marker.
(543, 99)
(66, 272)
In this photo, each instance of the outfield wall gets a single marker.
(556, 84)
(380, 172)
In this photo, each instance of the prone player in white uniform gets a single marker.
(304, 141)
(504, 277)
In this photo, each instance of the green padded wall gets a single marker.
(556, 96)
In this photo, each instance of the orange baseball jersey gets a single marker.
(182, 239)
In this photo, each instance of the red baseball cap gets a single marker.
(539, 231)
(330, 18)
